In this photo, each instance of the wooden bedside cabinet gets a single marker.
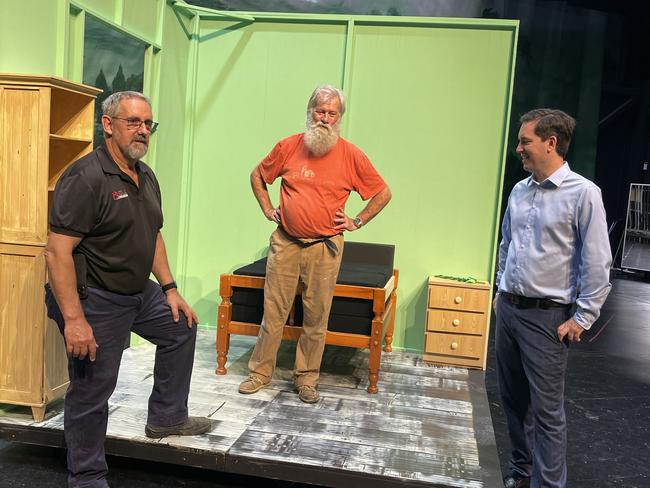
(457, 323)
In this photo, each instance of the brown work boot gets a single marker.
(308, 393)
(251, 385)
(192, 426)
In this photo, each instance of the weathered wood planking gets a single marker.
(419, 430)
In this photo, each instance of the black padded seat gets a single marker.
(352, 315)
(360, 274)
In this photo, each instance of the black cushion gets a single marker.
(360, 274)
(362, 264)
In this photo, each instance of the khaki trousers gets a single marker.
(315, 268)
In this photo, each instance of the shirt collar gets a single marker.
(556, 179)
(109, 166)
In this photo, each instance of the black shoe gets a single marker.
(192, 426)
(515, 481)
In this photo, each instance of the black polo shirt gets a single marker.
(117, 221)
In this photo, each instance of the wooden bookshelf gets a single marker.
(46, 124)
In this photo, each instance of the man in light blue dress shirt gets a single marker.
(553, 278)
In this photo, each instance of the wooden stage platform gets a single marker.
(427, 426)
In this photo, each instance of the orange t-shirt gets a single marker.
(313, 189)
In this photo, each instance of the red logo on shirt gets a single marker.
(119, 194)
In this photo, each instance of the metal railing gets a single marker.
(636, 241)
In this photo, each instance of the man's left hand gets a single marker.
(571, 329)
(343, 222)
(177, 303)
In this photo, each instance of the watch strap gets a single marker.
(169, 286)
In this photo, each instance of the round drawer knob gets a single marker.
(455, 322)
(458, 299)
(454, 345)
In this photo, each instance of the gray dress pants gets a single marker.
(531, 364)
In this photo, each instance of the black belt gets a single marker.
(520, 301)
(305, 242)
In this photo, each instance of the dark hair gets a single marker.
(552, 122)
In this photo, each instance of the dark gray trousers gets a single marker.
(112, 318)
(531, 363)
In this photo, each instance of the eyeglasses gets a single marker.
(133, 123)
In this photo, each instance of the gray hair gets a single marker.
(325, 93)
(111, 105)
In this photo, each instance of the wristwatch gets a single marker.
(357, 222)
(169, 286)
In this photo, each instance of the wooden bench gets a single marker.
(361, 316)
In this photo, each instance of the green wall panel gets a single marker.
(171, 112)
(28, 42)
(142, 16)
(428, 103)
(108, 9)
(252, 89)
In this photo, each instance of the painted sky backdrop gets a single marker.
(113, 61)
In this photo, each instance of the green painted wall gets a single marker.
(51, 43)
(428, 105)
(28, 42)
(428, 102)
(252, 88)
(173, 114)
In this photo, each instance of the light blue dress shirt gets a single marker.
(555, 243)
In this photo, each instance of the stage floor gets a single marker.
(427, 426)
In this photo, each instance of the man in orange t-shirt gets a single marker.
(319, 169)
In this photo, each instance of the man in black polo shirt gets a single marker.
(104, 242)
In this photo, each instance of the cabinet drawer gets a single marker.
(456, 322)
(458, 298)
(455, 345)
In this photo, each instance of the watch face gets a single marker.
(357, 222)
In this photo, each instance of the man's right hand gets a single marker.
(80, 340)
(273, 215)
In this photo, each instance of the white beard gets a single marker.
(321, 138)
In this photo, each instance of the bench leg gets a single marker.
(223, 340)
(223, 337)
(373, 369)
(374, 361)
(391, 326)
